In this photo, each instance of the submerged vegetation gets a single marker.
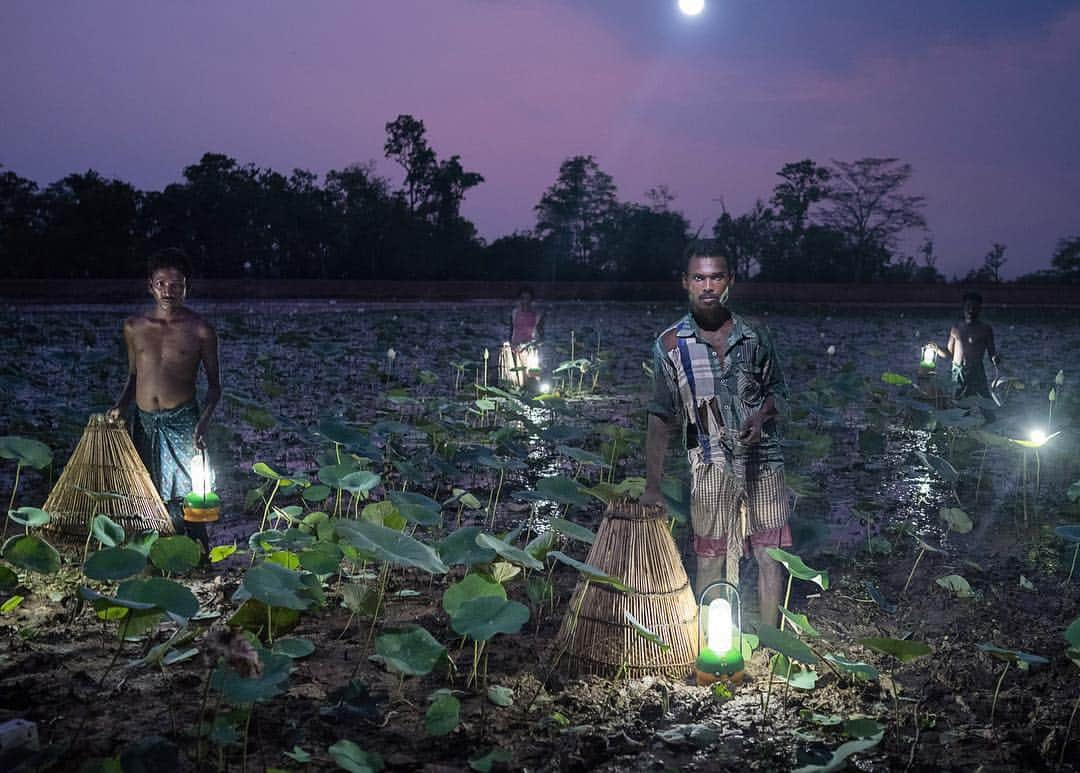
(402, 538)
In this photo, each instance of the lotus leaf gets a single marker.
(573, 530)
(484, 617)
(175, 555)
(794, 564)
(645, 633)
(389, 545)
(114, 564)
(27, 452)
(241, 690)
(956, 584)
(509, 552)
(856, 667)
(410, 650)
(276, 586)
(956, 519)
(352, 758)
(30, 517)
(221, 552)
(164, 594)
(471, 587)
(500, 696)
(460, 547)
(417, 508)
(443, 715)
(1022, 660)
(322, 558)
(786, 644)
(293, 647)
(591, 572)
(901, 649)
(840, 756)
(800, 622)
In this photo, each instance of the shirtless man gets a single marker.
(968, 341)
(165, 348)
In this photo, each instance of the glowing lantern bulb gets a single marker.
(718, 636)
(1037, 436)
(929, 356)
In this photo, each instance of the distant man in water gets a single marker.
(716, 377)
(969, 340)
(165, 348)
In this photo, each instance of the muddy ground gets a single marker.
(64, 669)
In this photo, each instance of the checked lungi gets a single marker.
(727, 511)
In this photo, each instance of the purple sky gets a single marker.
(982, 97)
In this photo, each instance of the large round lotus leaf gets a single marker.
(1070, 532)
(264, 470)
(8, 578)
(563, 490)
(30, 517)
(573, 530)
(254, 616)
(417, 508)
(114, 564)
(352, 758)
(784, 643)
(483, 617)
(238, 689)
(410, 650)
(164, 594)
(294, 539)
(30, 453)
(294, 647)
(472, 587)
(591, 572)
(107, 531)
(321, 558)
(275, 586)
(317, 493)
(175, 555)
(389, 545)
(265, 540)
(956, 519)
(901, 649)
(31, 553)
(332, 474)
(509, 552)
(795, 565)
(359, 482)
(335, 431)
(443, 715)
(384, 513)
(461, 548)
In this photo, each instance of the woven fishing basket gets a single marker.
(104, 462)
(634, 544)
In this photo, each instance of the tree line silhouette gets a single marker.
(841, 222)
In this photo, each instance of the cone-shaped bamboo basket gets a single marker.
(104, 461)
(633, 543)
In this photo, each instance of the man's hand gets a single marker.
(200, 434)
(651, 497)
(114, 413)
(750, 431)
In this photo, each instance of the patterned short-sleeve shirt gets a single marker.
(712, 392)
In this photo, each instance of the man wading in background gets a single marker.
(165, 348)
(969, 340)
(717, 378)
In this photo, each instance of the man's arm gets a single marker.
(656, 445)
(990, 348)
(954, 337)
(128, 392)
(209, 354)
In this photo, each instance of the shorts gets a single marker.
(757, 510)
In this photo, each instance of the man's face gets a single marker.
(168, 287)
(972, 309)
(707, 282)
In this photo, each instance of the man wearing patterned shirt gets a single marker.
(716, 376)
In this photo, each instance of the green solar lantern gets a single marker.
(929, 356)
(202, 505)
(720, 635)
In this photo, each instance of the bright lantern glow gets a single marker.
(1037, 436)
(545, 388)
(929, 355)
(532, 358)
(718, 634)
(202, 477)
(691, 7)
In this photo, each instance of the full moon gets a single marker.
(691, 7)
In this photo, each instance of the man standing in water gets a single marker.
(716, 377)
(165, 348)
(969, 340)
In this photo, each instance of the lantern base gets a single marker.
(201, 514)
(705, 678)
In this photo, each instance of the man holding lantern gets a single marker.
(717, 378)
(166, 347)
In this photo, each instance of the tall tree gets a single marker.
(573, 214)
(21, 226)
(867, 205)
(804, 184)
(749, 241)
(1066, 259)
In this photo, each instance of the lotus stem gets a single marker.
(1068, 732)
(787, 597)
(993, 705)
(1071, 568)
(11, 502)
(918, 558)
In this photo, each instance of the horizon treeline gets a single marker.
(842, 222)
